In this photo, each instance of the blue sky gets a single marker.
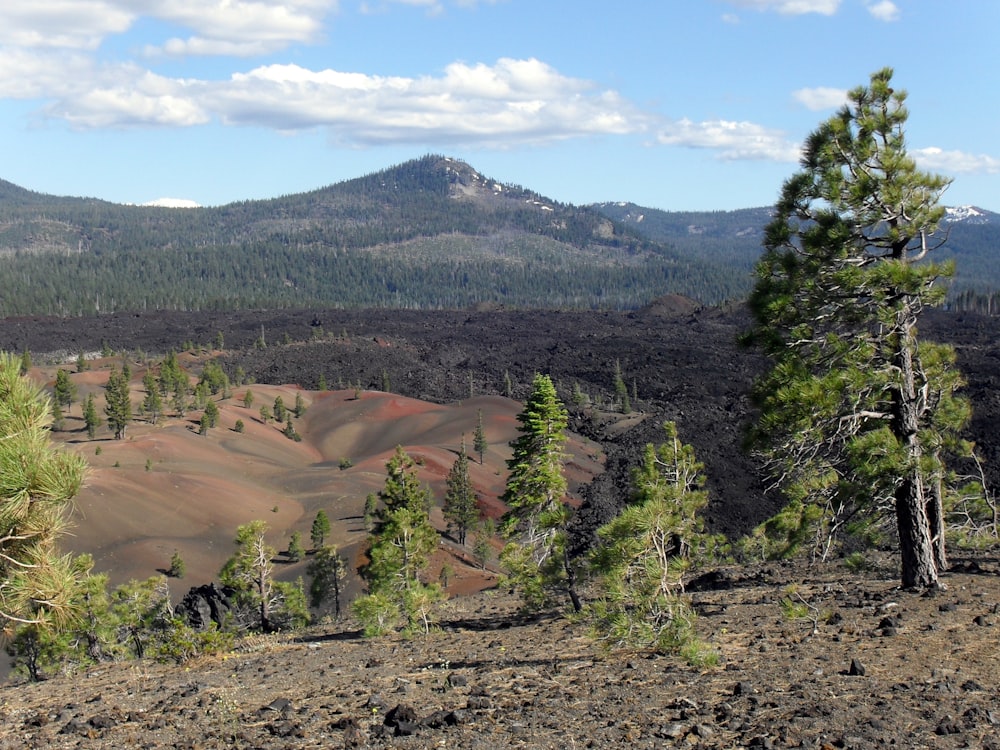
(674, 104)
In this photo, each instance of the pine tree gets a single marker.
(90, 417)
(320, 529)
(644, 553)
(152, 403)
(536, 557)
(65, 389)
(300, 406)
(857, 414)
(279, 410)
(248, 399)
(295, 548)
(400, 549)
(250, 572)
(328, 570)
(212, 414)
(37, 482)
(118, 408)
(460, 508)
(177, 566)
(479, 443)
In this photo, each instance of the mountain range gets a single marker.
(430, 233)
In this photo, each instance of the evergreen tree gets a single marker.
(248, 399)
(250, 572)
(483, 548)
(479, 443)
(90, 417)
(460, 508)
(211, 414)
(295, 548)
(177, 567)
(118, 408)
(644, 553)
(279, 410)
(536, 557)
(300, 406)
(328, 570)
(152, 402)
(320, 529)
(65, 389)
(81, 362)
(857, 414)
(400, 549)
(37, 482)
(25, 362)
(370, 511)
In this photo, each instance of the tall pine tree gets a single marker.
(857, 414)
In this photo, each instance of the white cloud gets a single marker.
(820, 98)
(511, 101)
(218, 26)
(790, 7)
(732, 140)
(955, 162)
(240, 27)
(883, 10)
(72, 24)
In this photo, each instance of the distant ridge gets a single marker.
(429, 233)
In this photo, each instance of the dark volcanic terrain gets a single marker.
(681, 362)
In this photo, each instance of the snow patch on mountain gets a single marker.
(969, 214)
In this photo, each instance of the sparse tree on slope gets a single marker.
(401, 545)
(251, 572)
(118, 409)
(90, 417)
(328, 570)
(536, 556)
(65, 390)
(646, 550)
(320, 529)
(857, 414)
(460, 508)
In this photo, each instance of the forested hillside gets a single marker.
(733, 239)
(429, 233)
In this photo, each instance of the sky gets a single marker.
(672, 104)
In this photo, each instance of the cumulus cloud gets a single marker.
(790, 7)
(510, 101)
(820, 98)
(955, 162)
(240, 27)
(732, 140)
(217, 26)
(883, 10)
(72, 24)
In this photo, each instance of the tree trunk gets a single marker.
(915, 539)
(916, 549)
(935, 517)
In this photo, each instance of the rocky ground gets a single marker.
(878, 668)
